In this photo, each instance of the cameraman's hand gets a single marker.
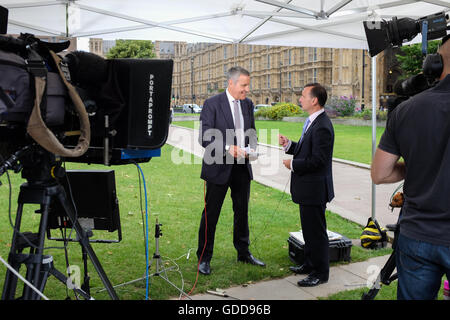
(237, 152)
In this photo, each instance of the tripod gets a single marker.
(160, 271)
(39, 169)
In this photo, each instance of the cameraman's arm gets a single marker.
(386, 168)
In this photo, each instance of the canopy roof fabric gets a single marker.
(324, 23)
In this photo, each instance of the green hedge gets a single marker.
(280, 110)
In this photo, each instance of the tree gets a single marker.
(411, 59)
(132, 49)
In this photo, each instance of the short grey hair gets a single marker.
(235, 72)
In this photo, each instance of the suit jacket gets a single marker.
(312, 178)
(217, 131)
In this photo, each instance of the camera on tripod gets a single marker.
(60, 106)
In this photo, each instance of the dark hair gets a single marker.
(319, 92)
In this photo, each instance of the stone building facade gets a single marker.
(277, 73)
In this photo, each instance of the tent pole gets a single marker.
(374, 124)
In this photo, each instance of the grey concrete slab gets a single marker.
(279, 289)
(339, 280)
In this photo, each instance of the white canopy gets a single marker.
(324, 23)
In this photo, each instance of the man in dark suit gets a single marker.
(227, 132)
(312, 182)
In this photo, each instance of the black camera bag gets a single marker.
(17, 92)
(34, 90)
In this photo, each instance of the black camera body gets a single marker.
(382, 34)
(127, 100)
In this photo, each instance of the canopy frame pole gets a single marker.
(374, 127)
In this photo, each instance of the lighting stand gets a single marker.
(160, 270)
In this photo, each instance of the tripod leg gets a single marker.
(84, 241)
(86, 279)
(36, 281)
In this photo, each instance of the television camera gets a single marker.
(383, 34)
(58, 106)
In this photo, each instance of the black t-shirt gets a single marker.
(419, 131)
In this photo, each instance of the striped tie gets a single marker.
(237, 124)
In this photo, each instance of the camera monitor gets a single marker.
(94, 196)
(132, 120)
(3, 20)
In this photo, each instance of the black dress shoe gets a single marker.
(301, 269)
(251, 259)
(204, 268)
(311, 281)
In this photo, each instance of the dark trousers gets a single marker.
(239, 184)
(314, 228)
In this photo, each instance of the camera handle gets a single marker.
(11, 162)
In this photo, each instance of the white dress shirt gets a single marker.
(230, 102)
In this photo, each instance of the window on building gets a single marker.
(224, 52)
(268, 81)
(268, 61)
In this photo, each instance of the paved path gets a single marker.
(344, 277)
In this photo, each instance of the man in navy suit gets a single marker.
(312, 182)
(227, 132)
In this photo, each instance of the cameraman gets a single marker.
(418, 130)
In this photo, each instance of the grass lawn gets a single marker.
(351, 142)
(175, 196)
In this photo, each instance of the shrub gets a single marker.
(344, 106)
(280, 110)
(366, 114)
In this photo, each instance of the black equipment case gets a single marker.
(340, 247)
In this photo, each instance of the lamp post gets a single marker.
(192, 79)
(362, 82)
(281, 65)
